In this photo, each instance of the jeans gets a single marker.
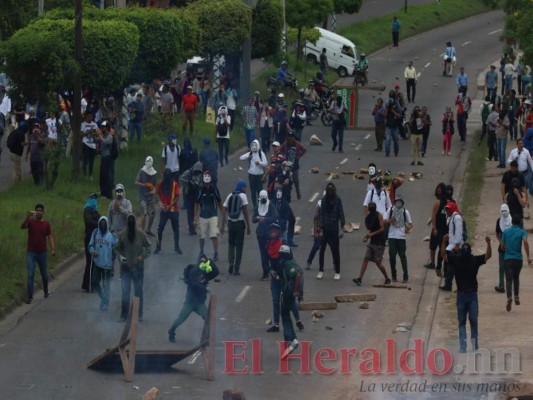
(508, 81)
(337, 129)
(411, 90)
(425, 137)
(250, 135)
(501, 269)
(314, 249)
(391, 133)
(88, 156)
(129, 276)
(398, 247)
(266, 134)
(330, 238)
(235, 243)
(512, 126)
(395, 38)
(298, 133)
(262, 241)
(287, 304)
(512, 277)
(491, 94)
(275, 290)
(135, 128)
(101, 274)
(379, 132)
(42, 260)
(189, 201)
(467, 305)
(188, 308)
(223, 150)
(256, 185)
(501, 145)
(174, 218)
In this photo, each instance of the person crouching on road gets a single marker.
(101, 248)
(196, 277)
(133, 248)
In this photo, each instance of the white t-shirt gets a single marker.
(88, 140)
(397, 232)
(52, 128)
(171, 161)
(382, 201)
(244, 201)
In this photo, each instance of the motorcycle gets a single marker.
(273, 83)
(359, 76)
(405, 127)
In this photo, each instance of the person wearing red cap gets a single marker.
(454, 239)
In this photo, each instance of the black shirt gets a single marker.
(508, 177)
(208, 199)
(465, 270)
(372, 224)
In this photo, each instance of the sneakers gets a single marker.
(394, 279)
(103, 307)
(320, 275)
(420, 163)
(412, 163)
(300, 325)
(264, 277)
(308, 266)
(178, 250)
(499, 289)
(273, 328)
(215, 256)
(293, 346)
(357, 281)
(46, 295)
(292, 244)
(157, 250)
(29, 301)
(171, 336)
(337, 277)
(509, 304)
(405, 279)
(122, 319)
(517, 301)
(444, 288)
(387, 281)
(429, 265)
(230, 269)
(438, 272)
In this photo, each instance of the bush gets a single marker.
(267, 25)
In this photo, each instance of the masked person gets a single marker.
(257, 162)
(90, 219)
(330, 222)
(502, 224)
(438, 226)
(466, 267)
(133, 247)
(294, 151)
(170, 157)
(378, 196)
(316, 234)
(197, 278)
(455, 240)
(375, 249)
(400, 224)
(191, 183)
(118, 211)
(264, 215)
(207, 203)
(146, 180)
(284, 180)
(286, 218)
(101, 248)
(168, 191)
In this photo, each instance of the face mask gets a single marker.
(175, 141)
(466, 251)
(505, 214)
(149, 163)
(207, 178)
(103, 227)
(254, 148)
(371, 171)
(398, 204)
(263, 200)
(279, 194)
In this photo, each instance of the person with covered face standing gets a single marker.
(400, 223)
(168, 191)
(257, 163)
(146, 180)
(502, 224)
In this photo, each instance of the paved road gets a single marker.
(44, 348)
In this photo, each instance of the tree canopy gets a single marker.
(518, 26)
(347, 6)
(266, 28)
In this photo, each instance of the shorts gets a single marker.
(435, 241)
(374, 253)
(147, 208)
(208, 228)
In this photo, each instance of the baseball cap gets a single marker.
(275, 144)
(189, 87)
(396, 86)
(105, 123)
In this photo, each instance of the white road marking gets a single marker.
(496, 31)
(330, 177)
(357, 147)
(243, 292)
(194, 357)
(427, 65)
(297, 220)
(367, 136)
(313, 197)
(343, 161)
(418, 75)
(442, 54)
(465, 43)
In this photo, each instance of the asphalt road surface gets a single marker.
(45, 347)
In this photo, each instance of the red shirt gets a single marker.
(37, 233)
(189, 102)
(172, 198)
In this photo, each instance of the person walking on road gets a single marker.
(448, 129)
(236, 210)
(222, 132)
(466, 267)
(511, 243)
(207, 202)
(462, 80)
(392, 123)
(249, 120)
(257, 163)
(502, 224)
(410, 81)
(90, 219)
(400, 223)
(39, 231)
(463, 104)
(380, 113)
(491, 82)
(146, 180)
(338, 111)
(189, 108)
(524, 160)
(438, 226)
(417, 131)
(168, 191)
(375, 249)
(101, 249)
(191, 183)
(133, 247)
(264, 215)
(197, 278)
(294, 150)
(426, 121)
(170, 157)
(329, 223)
(395, 31)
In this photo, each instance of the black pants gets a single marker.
(395, 38)
(174, 218)
(88, 155)
(190, 200)
(491, 143)
(105, 177)
(512, 277)
(330, 238)
(37, 171)
(411, 90)
(223, 150)
(86, 283)
(262, 241)
(256, 185)
(235, 243)
(448, 274)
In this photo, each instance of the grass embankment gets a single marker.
(473, 185)
(64, 204)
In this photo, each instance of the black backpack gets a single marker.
(234, 206)
(11, 141)
(222, 128)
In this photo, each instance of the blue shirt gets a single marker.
(281, 74)
(528, 139)
(512, 238)
(491, 77)
(396, 25)
(450, 52)
(462, 80)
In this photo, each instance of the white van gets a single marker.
(341, 52)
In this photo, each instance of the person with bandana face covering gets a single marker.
(191, 183)
(399, 221)
(168, 191)
(101, 249)
(118, 212)
(286, 218)
(207, 203)
(146, 180)
(170, 157)
(466, 267)
(257, 163)
(90, 219)
(133, 247)
(502, 224)
(264, 215)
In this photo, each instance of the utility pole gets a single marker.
(246, 60)
(40, 8)
(76, 106)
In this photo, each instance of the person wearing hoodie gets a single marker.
(257, 163)
(146, 180)
(264, 215)
(90, 219)
(329, 223)
(133, 247)
(502, 224)
(170, 157)
(196, 277)
(454, 241)
(168, 191)
(236, 209)
(101, 249)
(209, 159)
(188, 156)
(294, 150)
(191, 183)
(119, 209)
(286, 218)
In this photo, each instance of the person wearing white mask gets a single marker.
(503, 223)
(257, 163)
(146, 180)
(170, 157)
(264, 215)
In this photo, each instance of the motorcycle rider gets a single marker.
(283, 74)
(449, 57)
(310, 96)
(319, 84)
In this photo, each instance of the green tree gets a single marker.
(267, 25)
(301, 14)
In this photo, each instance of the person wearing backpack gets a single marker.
(236, 210)
(400, 224)
(16, 141)
(264, 215)
(170, 157)
(257, 162)
(207, 203)
(456, 238)
(222, 132)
